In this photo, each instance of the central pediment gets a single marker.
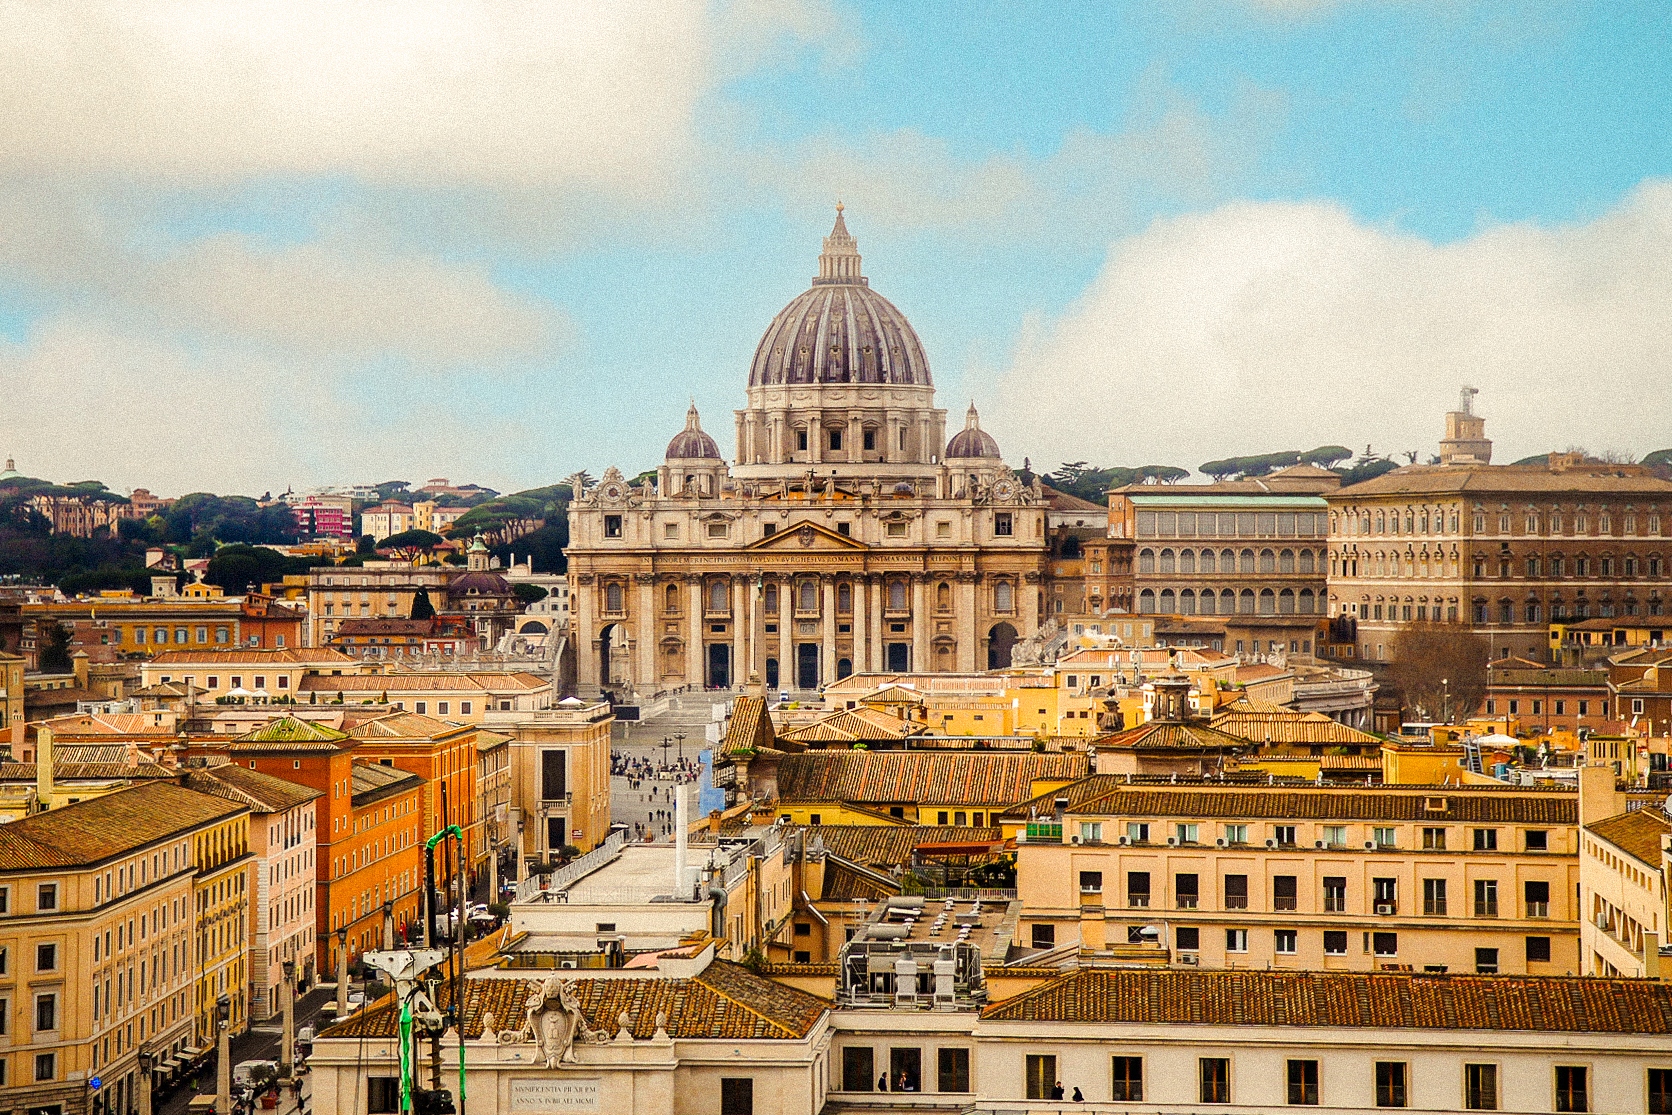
(805, 535)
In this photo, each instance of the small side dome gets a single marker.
(691, 443)
(972, 442)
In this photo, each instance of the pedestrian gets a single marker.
(1056, 1091)
(1078, 1098)
(882, 1083)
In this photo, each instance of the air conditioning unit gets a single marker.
(1125, 840)
(568, 964)
(1271, 843)
(1317, 843)
(1190, 959)
(1220, 842)
(1385, 909)
(1370, 845)
(1172, 842)
(1075, 839)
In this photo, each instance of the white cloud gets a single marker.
(1265, 326)
(1170, 149)
(420, 90)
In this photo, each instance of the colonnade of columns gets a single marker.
(671, 629)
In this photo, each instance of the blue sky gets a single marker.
(336, 243)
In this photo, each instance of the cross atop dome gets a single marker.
(839, 262)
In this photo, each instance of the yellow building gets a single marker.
(560, 777)
(1304, 877)
(221, 928)
(97, 956)
(11, 694)
(1623, 863)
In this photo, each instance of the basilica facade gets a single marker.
(847, 534)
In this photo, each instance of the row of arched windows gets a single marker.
(1208, 602)
(1227, 561)
(1629, 521)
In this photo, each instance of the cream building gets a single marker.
(847, 535)
(1400, 878)
(99, 926)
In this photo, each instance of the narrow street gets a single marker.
(261, 1043)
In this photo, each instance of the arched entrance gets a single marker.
(1001, 640)
(615, 658)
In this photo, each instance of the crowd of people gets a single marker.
(653, 784)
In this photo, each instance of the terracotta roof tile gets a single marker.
(116, 824)
(1637, 833)
(749, 728)
(888, 846)
(1110, 795)
(263, 793)
(305, 656)
(1172, 735)
(1356, 1000)
(725, 1001)
(850, 725)
(1288, 726)
(848, 882)
(941, 778)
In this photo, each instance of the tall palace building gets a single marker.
(848, 534)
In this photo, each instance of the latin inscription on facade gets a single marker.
(557, 1094)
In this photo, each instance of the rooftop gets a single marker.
(1346, 1000)
(373, 782)
(1637, 833)
(263, 793)
(1111, 795)
(937, 777)
(91, 832)
(724, 1002)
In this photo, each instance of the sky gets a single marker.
(258, 246)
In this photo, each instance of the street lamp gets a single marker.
(223, 1055)
(342, 971)
(1445, 700)
(680, 736)
(287, 1043)
(147, 1061)
(666, 743)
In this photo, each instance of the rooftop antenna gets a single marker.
(1466, 400)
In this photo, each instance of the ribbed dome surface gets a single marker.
(840, 330)
(972, 441)
(692, 443)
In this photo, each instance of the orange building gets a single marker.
(443, 755)
(368, 829)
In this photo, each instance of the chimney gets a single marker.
(79, 664)
(714, 822)
(1599, 798)
(44, 788)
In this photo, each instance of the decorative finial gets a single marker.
(839, 206)
(972, 420)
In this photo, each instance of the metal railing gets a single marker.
(538, 888)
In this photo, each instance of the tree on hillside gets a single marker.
(1363, 470)
(410, 545)
(527, 594)
(1439, 669)
(421, 606)
(55, 649)
(543, 547)
(241, 568)
(1326, 456)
